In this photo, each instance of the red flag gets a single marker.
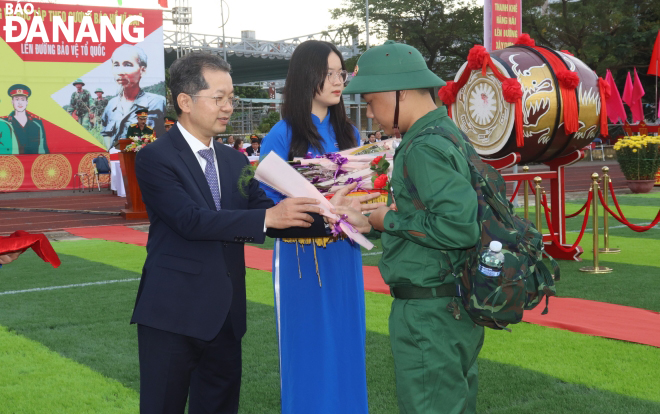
(637, 94)
(162, 3)
(632, 96)
(615, 109)
(654, 66)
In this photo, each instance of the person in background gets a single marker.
(372, 138)
(140, 129)
(319, 291)
(238, 145)
(380, 136)
(253, 149)
(425, 236)
(230, 141)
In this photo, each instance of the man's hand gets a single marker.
(354, 218)
(341, 199)
(291, 212)
(8, 258)
(378, 216)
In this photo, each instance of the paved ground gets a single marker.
(55, 210)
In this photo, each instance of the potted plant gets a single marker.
(639, 158)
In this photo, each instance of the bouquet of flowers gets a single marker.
(367, 165)
(638, 156)
(139, 143)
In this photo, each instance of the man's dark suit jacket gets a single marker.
(250, 151)
(194, 274)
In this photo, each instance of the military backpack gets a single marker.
(525, 280)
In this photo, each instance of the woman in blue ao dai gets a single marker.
(319, 313)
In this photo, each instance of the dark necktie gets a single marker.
(211, 175)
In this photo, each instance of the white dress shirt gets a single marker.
(197, 145)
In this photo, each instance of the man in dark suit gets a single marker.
(191, 304)
(253, 149)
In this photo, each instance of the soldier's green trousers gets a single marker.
(435, 357)
(84, 120)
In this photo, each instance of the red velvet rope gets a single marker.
(605, 93)
(552, 231)
(616, 203)
(543, 203)
(578, 212)
(568, 81)
(623, 220)
(515, 192)
(479, 58)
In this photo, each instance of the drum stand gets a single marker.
(556, 175)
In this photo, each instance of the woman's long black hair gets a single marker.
(308, 70)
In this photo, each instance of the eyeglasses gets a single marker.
(232, 101)
(341, 75)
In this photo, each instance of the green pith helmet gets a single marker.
(98, 90)
(391, 67)
(79, 81)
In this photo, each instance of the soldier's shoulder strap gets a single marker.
(32, 116)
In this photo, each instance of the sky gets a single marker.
(271, 20)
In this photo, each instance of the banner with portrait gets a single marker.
(73, 78)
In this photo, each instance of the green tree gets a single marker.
(604, 34)
(268, 121)
(251, 92)
(442, 30)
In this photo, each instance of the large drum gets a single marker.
(488, 120)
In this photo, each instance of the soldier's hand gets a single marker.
(91, 117)
(377, 217)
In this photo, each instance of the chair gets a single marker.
(81, 177)
(597, 143)
(101, 167)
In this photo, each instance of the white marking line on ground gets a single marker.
(372, 254)
(103, 282)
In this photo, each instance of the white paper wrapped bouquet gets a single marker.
(369, 165)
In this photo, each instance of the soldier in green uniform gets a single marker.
(140, 129)
(27, 127)
(8, 144)
(81, 102)
(431, 222)
(97, 108)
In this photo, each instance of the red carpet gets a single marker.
(113, 233)
(599, 319)
(577, 315)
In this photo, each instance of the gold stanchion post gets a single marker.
(606, 230)
(526, 193)
(538, 190)
(595, 268)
